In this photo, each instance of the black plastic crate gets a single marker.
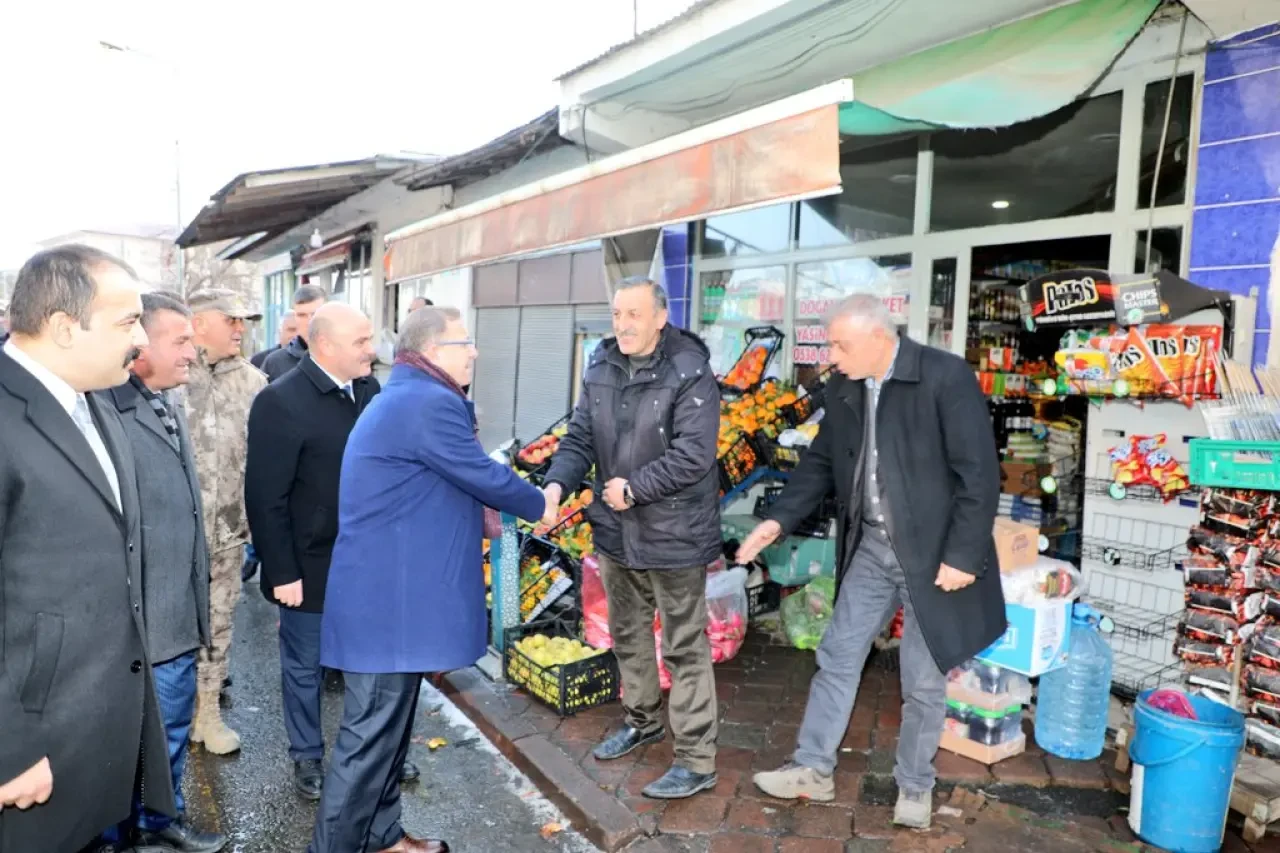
(567, 688)
(555, 580)
(738, 463)
(763, 344)
(762, 599)
(539, 469)
(775, 456)
(816, 526)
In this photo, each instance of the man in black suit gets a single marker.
(298, 431)
(307, 300)
(175, 556)
(288, 329)
(80, 728)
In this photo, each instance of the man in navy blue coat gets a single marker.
(406, 585)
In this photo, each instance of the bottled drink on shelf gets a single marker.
(1073, 702)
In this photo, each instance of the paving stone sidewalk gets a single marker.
(1033, 802)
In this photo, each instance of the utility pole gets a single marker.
(177, 155)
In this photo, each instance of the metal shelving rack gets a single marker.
(1116, 541)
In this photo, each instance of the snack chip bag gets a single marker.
(1165, 344)
(1136, 365)
(1201, 347)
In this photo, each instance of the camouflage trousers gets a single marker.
(224, 593)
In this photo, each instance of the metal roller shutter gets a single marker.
(596, 319)
(546, 364)
(494, 384)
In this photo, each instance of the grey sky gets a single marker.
(88, 137)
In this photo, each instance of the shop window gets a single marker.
(878, 199)
(1172, 183)
(820, 286)
(750, 232)
(1166, 251)
(734, 301)
(942, 303)
(1064, 164)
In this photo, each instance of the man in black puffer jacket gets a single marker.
(647, 420)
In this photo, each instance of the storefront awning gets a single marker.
(1020, 71)
(781, 152)
(331, 255)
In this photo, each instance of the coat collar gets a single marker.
(48, 416)
(325, 384)
(129, 401)
(906, 368)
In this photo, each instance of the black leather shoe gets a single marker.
(308, 777)
(177, 837)
(409, 773)
(226, 683)
(678, 783)
(623, 741)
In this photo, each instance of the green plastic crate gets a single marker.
(1235, 464)
(797, 560)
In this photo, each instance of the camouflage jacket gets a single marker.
(217, 401)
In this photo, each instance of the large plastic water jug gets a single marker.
(1072, 705)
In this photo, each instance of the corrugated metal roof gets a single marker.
(693, 9)
(274, 201)
(541, 134)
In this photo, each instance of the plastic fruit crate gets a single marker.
(567, 688)
(540, 468)
(738, 463)
(762, 599)
(816, 526)
(1235, 464)
(763, 343)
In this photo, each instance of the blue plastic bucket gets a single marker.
(1182, 775)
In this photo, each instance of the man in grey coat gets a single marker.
(80, 729)
(175, 557)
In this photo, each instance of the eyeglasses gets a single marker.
(466, 342)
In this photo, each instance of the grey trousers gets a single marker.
(679, 596)
(873, 588)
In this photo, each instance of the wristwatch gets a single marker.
(629, 498)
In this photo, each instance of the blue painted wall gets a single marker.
(1236, 223)
(677, 273)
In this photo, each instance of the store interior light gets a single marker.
(1000, 204)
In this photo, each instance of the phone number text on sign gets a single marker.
(803, 354)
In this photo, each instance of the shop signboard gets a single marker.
(1083, 296)
(810, 338)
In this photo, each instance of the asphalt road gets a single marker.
(469, 795)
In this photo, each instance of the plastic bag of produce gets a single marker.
(727, 608)
(595, 607)
(806, 614)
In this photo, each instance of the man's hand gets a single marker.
(614, 498)
(32, 787)
(551, 513)
(765, 534)
(952, 579)
(290, 595)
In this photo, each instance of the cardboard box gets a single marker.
(1037, 640)
(1022, 478)
(1017, 545)
(986, 754)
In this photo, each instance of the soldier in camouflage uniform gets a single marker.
(222, 387)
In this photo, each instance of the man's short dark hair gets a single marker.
(309, 293)
(426, 303)
(155, 302)
(58, 280)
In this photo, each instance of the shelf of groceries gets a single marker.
(1094, 521)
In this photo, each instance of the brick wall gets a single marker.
(1235, 236)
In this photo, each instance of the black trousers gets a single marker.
(302, 682)
(360, 807)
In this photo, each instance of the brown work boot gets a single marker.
(208, 728)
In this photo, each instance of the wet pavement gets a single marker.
(469, 794)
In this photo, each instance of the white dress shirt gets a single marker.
(69, 399)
